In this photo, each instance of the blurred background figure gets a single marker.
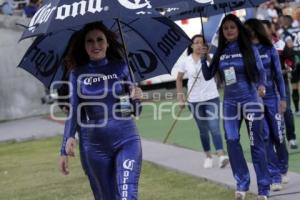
(290, 35)
(6, 7)
(269, 11)
(48, 98)
(31, 8)
(296, 14)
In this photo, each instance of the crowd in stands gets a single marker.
(25, 8)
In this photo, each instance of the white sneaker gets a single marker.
(284, 178)
(239, 195)
(293, 144)
(261, 197)
(223, 161)
(208, 163)
(276, 187)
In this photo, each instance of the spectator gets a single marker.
(203, 101)
(296, 22)
(290, 37)
(6, 7)
(31, 8)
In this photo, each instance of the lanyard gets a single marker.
(198, 69)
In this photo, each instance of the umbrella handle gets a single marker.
(202, 29)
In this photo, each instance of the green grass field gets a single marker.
(185, 133)
(29, 171)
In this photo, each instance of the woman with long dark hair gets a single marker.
(203, 102)
(274, 102)
(100, 107)
(240, 67)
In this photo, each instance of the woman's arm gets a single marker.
(209, 72)
(262, 77)
(179, 89)
(261, 73)
(71, 122)
(279, 79)
(278, 74)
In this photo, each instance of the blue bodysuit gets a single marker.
(241, 101)
(111, 145)
(273, 127)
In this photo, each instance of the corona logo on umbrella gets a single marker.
(138, 4)
(57, 15)
(143, 62)
(205, 1)
(149, 54)
(64, 11)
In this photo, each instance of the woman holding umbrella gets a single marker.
(239, 65)
(110, 140)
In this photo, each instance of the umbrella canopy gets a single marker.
(206, 8)
(57, 15)
(154, 45)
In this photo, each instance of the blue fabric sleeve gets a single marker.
(260, 67)
(278, 74)
(208, 72)
(71, 123)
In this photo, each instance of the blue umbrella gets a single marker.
(57, 15)
(206, 8)
(149, 54)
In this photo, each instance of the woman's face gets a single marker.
(297, 14)
(230, 31)
(197, 45)
(96, 44)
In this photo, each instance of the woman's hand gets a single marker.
(136, 93)
(204, 52)
(70, 146)
(64, 161)
(261, 91)
(282, 106)
(64, 165)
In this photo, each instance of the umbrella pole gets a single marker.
(181, 109)
(202, 29)
(173, 125)
(125, 51)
